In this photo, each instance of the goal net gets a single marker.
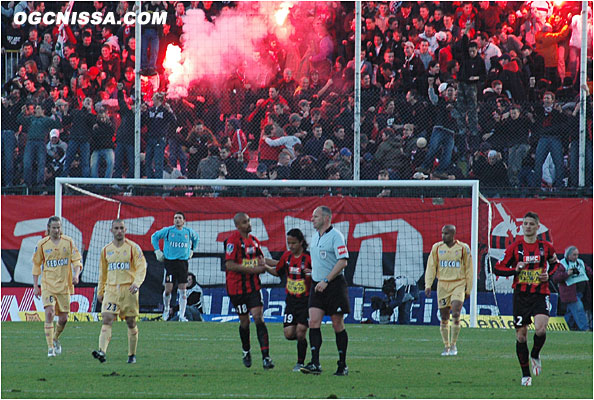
(389, 226)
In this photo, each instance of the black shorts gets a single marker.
(527, 305)
(176, 271)
(334, 299)
(296, 311)
(243, 303)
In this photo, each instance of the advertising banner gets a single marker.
(385, 236)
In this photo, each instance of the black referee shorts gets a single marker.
(527, 305)
(334, 299)
(176, 271)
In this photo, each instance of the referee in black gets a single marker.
(329, 293)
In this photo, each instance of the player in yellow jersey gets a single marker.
(451, 263)
(55, 255)
(123, 269)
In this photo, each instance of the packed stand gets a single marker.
(449, 90)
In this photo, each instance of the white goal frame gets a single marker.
(474, 184)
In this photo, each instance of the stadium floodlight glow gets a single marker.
(416, 188)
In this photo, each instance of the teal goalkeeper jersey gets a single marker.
(178, 244)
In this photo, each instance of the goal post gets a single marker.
(427, 193)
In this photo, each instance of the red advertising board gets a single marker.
(384, 236)
(19, 299)
(568, 220)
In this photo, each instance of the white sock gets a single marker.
(183, 301)
(166, 302)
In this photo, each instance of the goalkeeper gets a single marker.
(179, 242)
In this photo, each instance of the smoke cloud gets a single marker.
(238, 38)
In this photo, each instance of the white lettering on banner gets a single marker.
(408, 257)
(226, 305)
(5, 273)
(369, 271)
(275, 308)
(23, 299)
(209, 272)
(22, 269)
(207, 303)
(428, 310)
(10, 307)
(412, 312)
(101, 236)
(358, 308)
(208, 269)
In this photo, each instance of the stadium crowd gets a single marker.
(449, 90)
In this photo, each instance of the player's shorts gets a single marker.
(526, 305)
(334, 299)
(117, 299)
(176, 271)
(448, 291)
(60, 302)
(243, 303)
(296, 311)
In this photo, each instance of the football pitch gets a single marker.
(203, 360)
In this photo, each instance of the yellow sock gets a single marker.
(59, 330)
(49, 334)
(455, 333)
(445, 334)
(104, 337)
(132, 340)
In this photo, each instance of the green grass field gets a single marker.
(203, 360)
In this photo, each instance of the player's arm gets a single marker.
(468, 270)
(431, 270)
(337, 269)
(553, 262)
(272, 265)
(505, 266)
(195, 241)
(102, 276)
(235, 267)
(140, 269)
(76, 260)
(37, 261)
(275, 267)
(155, 237)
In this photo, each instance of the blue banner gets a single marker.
(424, 311)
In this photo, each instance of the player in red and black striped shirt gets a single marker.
(244, 262)
(531, 261)
(296, 265)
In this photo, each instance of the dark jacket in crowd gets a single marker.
(38, 128)
(158, 121)
(444, 114)
(471, 66)
(549, 123)
(125, 133)
(82, 124)
(10, 114)
(102, 136)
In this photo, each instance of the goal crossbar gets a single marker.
(473, 184)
